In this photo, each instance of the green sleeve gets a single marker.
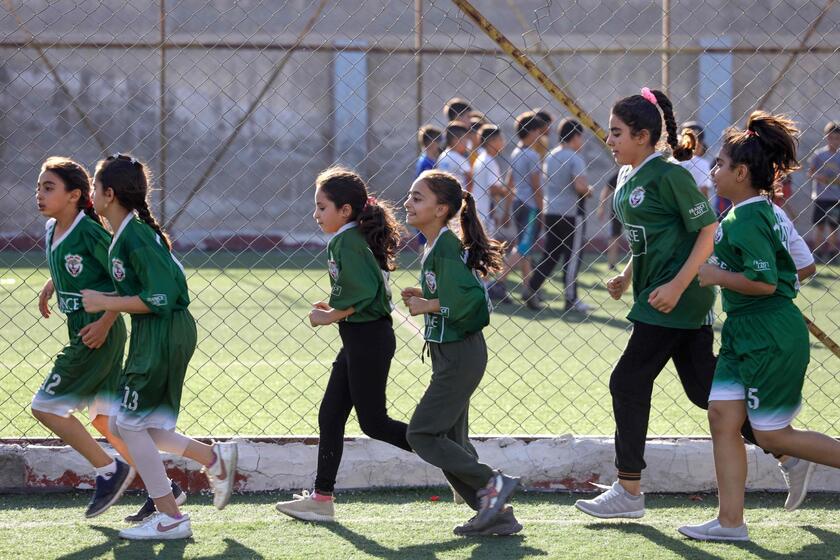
(680, 193)
(757, 253)
(357, 282)
(159, 289)
(455, 286)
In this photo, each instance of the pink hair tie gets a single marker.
(371, 201)
(647, 94)
(750, 133)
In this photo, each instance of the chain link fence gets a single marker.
(237, 106)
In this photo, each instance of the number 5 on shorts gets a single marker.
(752, 398)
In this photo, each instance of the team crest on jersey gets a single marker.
(637, 196)
(431, 281)
(118, 270)
(73, 264)
(332, 266)
(718, 234)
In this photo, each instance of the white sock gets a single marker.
(107, 471)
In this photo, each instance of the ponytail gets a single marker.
(483, 254)
(130, 180)
(767, 147)
(381, 231)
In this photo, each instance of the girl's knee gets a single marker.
(724, 418)
(772, 441)
(100, 422)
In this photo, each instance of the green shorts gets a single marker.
(763, 359)
(158, 355)
(82, 377)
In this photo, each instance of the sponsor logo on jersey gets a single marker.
(117, 270)
(431, 281)
(637, 197)
(698, 209)
(761, 265)
(332, 266)
(718, 234)
(73, 264)
(158, 300)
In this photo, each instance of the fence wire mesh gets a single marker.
(237, 106)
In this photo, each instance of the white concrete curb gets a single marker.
(544, 463)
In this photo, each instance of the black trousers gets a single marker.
(564, 239)
(358, 379)
(631, 384)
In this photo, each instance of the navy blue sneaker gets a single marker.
(109, 491)
(493, 497)
(148, 508)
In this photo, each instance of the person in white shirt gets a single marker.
(454, 158)
(699, 167)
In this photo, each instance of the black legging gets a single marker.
(358, 379)
(631, 385)
(564, 237)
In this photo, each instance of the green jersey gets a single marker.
(750, 240)
(355, 277)
(662, 211)
(78, 260)
(141, 265)
(464, 305)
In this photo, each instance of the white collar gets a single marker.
(757, 198)
(429, 248)
(130, 216)
(635, 170)
(79, 217)
(345, 227)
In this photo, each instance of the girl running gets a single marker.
(87, 370)
(456, 308)
(360, 255)
(151, 286)
(764, 343)
(670, 228)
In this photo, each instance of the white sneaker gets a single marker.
(159, 527)
(615, 502)
(797, 476)
(712, 531)
(222, 474)
(578, 306)
(304, 506)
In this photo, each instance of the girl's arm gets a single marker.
(94, 302)
(712, 275)
(320, 316)
(95, 334)
(665, 297)
(419, 306)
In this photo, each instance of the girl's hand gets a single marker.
(321, 305)
(617, 285)
(708, 275)
(44, 298)
(94, 335)
(93, 301)
(664, 298)
(320, 317)
(408, 293)
(416, 305)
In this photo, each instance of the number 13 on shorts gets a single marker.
(752, 398)
(130, 399)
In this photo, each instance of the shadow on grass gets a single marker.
(141, 550)
(488, 547)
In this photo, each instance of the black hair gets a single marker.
(831, 127)
(456, 108)
(428, 134)
(454, 131)
(489, 131)
(75, 177)
(640, 114)
(376, 218)
(767, 147)
(528, 122)
(131, 181)
(567, 129)
(483, 254)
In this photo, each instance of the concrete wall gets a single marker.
(262, 186)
